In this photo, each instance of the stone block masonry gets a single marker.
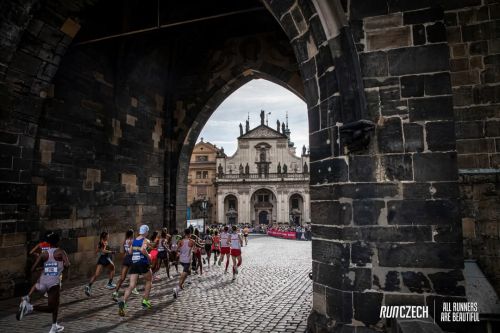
(473, 38)
(403, 115)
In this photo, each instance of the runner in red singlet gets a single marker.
(236, 243)
(216, 245)
(224, 247)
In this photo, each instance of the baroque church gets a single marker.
(264, 182)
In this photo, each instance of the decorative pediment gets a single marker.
(263, 132)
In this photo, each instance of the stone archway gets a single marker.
(296, 208)
(263, 207)
(275, 64)
(383, 162)
(231, 209)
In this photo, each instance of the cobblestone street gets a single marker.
(272, 294)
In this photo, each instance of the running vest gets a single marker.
(160, 247)
(103, 246)
(224, 236)
(216, 242)
(52, 269)
(126, 246)
(208, 239)
(137, 256)
(175, 240)
(185, 252)
(235, 241)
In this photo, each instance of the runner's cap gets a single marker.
(143, 229)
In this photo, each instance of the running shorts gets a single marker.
(186, 267)
(224, 250)
(208, 248)
(245, 235)
(127, 260)
(139, 268)
(153, 254)
(43, 287)
(235, 252)
(104, 260)
(162, 255)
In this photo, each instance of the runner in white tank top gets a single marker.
(185, 249)
(236, 243)
(225, 247)
(54, 260)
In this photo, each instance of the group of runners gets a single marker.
(143, 256)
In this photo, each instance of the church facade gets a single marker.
(264, 182)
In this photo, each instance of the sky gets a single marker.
(222, 128)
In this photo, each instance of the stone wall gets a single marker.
(31, 51)
(474, 41)
(388, 231)
(390, 86)
(81, 153)
(98, 161)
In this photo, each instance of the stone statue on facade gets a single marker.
(285, 168)
(305, 169)
(303, 149)
(277, 125)
(247, 169)
(241, 169)
(241, 129)
(279, 167)
(219, 170)
(283, 128)
(262, 116)
(247, 126)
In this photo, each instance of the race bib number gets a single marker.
(51, 269)
(136, 257)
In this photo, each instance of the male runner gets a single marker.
(245, 234)
(224, 247)
(54, 260)
(185, 248)
(141, 264)
(236, 243)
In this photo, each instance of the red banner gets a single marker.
(282, 234)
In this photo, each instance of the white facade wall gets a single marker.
(282, 186)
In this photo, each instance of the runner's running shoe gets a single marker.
(146, 304)
(121, 308)
(135, 292)
(111, 286)
(88, 290)
(24, 309)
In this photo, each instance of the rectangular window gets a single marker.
(295, 203)
(205, 174)
(202, 158)
(263, 198)
(198, 174)
(232, 204)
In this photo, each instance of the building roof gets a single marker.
(209, 147)
(262, 132)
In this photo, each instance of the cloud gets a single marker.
(222, 128)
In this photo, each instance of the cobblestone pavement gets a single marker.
(273, 293)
